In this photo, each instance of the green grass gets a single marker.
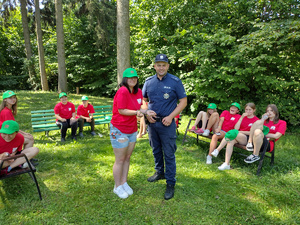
(76, 182)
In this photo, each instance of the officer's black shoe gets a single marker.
(74, 138)
(169, 191)
(156, 177)
(62, 139)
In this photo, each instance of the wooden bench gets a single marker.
(243, 147)
(44, 120)
(18, 171)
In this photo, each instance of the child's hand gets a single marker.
(4, 155)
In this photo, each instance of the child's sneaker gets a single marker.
(208, 159)
(120, 192)
(199, 131)
(193, 129)
(251, 158)
(249, 147)
(206, 132)
(127, 188)
(224, 166)
(215, 153)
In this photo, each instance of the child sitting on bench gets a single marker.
(227, 121)
(206, 120)
(11, 143)
(260, 141)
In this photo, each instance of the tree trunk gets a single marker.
(62, 77)
(123, 37)
(31, 71)
(44, 81)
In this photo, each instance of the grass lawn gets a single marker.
(76, 181)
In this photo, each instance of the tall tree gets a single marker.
(31, 70)
(123, 37)
(62, 77)
(44, 81)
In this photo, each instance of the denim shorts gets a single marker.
(119, 139)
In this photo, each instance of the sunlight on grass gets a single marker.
(76, 182)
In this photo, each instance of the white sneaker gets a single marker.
(25, 165)
(249, 147)
(224, 166)
(208, 159)
(215, 153)
(127, 188)
(120, 192)
(206, 132)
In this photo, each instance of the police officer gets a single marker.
(163, 91)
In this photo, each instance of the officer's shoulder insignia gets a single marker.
(175, 78)
(149, 78)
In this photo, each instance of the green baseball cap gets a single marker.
(9, 127)
(62, 94)
(236, 105)
(265, 130)
(84, 98)
(129, 72)
(8, 94)
(212, 106)
(231, 135)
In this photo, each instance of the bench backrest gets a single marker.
(42, 119)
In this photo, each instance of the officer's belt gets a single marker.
(158, 119)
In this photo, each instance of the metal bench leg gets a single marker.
(34, 178)
(262, 159)
(186, 130)
(273, 156)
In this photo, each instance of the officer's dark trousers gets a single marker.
(81, 123)
(163, 142)
(64, 127)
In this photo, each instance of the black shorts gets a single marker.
(199, 125)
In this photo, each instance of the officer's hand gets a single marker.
(150, 119)
(167, 121)
(151, 113)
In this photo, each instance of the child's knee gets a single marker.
(257, 133)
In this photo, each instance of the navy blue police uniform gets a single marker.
(163, 96)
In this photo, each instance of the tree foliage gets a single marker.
(224, 51)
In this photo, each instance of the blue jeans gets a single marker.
(163, 142)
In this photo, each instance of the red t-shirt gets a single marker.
(247, 123)
(15, 145)
(177, 121)
(82, 111)
(64, 111)
(6, 114)
(229, 120)
(274, 128)
(126, 100)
